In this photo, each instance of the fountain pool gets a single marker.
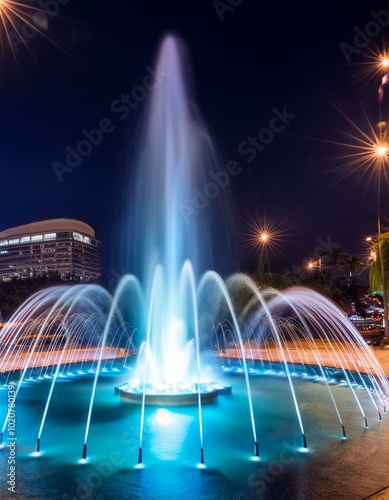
(300, 414)
(331, 467)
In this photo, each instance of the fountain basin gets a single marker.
(181, 395)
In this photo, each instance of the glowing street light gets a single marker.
(263, 240)
(314, 265)
(382, 150)
(264, 236)
(313, 269)
(385, 62)
(371, 242)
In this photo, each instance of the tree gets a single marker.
(334, 257)
(379, 272)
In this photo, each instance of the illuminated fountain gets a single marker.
(170, 163)
(195, 336)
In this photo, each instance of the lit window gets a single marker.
(14, 241)
(3, 243)
(25, 239)
(80, 237)
(37, 237)
(50, 236)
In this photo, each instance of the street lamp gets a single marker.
(314, 265)
(381, 152)
(264, 236)
(263, 240)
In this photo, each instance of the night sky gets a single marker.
(250, 61)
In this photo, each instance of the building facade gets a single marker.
(67, 247)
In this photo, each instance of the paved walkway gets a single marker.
(383, 358)
(380, 495)
(294, 355)
(39, 359)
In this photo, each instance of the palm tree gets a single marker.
(334, 257)
(354, 264)
(379, 272)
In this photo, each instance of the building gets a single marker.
(67, 247)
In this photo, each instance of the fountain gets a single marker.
(302, 387)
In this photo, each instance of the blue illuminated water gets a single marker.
(171, 444)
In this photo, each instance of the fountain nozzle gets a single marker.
(304, 441)
(256, 449)
(1, 439)
(140, 456)
(84, 451)
(343, 431)
(379, 416)
(38, 445)
(202, 455)
(366, 424)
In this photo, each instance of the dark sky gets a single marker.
(248, 59)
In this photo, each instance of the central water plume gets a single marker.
(174, 151)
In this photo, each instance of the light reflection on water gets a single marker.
(171, 449)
